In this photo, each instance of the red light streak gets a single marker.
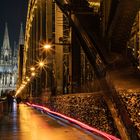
(85, 126)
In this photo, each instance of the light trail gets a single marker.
(85, 126)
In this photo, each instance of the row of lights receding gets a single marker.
(40, 64)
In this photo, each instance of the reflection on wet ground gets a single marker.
(25, 123)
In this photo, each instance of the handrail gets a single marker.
(122, 112)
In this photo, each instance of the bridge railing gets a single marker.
(122, 111)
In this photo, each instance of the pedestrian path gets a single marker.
(26, 123)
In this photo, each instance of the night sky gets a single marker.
(13, 12)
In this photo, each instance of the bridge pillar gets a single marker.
(76, 64)
(58, 50)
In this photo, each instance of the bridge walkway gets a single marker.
(26, 123)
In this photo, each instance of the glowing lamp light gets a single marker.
(47, 46)
(41, 64)
(28, 79)
(33, 73)
(32, 68)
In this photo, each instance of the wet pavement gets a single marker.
(26, 123)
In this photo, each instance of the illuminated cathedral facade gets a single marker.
(9, 62)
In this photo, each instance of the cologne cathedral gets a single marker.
(9, 62)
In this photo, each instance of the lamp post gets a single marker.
(55, 75)
(51, 74)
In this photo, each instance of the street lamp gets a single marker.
(51, 83)
(33, 74)
(32, 68)
(47, 46)
(27, 78)
(41, 64)
(62, 74)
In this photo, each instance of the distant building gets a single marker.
(9, 63)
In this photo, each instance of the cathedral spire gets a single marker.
(15, 49)
(21, 36)
(6, 42)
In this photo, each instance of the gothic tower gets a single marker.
(21, 36)
(6, 52)
(9, 63)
